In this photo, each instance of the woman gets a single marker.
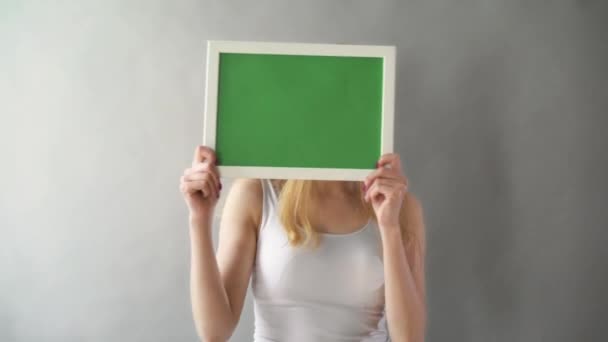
(336, 261)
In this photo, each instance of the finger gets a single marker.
(213, 187)
(203, 185)
(203, 154)
(380, 173)
(194, 186)
(198, 167)
(383, 174)
(196, 176)
(206, 176)
(386, 187)
(206, 168)
(383, 190)
(391, 160)
(374, 191)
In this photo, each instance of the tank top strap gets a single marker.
(269, 203)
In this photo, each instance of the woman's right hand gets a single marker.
(200, 184)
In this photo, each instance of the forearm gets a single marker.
(405, 310)
(210, 305)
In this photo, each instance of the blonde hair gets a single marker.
(295, 199)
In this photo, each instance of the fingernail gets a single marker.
(220, 186)
(364, 187)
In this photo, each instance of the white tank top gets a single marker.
(334, 292)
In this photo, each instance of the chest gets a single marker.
(344, 270)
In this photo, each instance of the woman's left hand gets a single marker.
(386, 188)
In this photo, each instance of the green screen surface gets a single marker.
(299, 111)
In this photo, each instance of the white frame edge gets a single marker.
(215, 47)
(293, 173)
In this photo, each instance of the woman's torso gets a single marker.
(334, 292)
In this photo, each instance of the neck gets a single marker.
(334, 189)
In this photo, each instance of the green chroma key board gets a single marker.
(298, 111)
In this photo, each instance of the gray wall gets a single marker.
(501, 123)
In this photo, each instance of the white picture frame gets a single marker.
(216, 47)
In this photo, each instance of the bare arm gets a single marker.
(219, 281)
(405, 292)
(404, 279)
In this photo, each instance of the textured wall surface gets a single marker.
(501, 122)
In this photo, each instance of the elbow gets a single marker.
(213, 332)
(212, 336)
(413, 331)
(419, 334)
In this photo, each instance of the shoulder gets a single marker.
(248, 188)
(277, 184)
(246, 197)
